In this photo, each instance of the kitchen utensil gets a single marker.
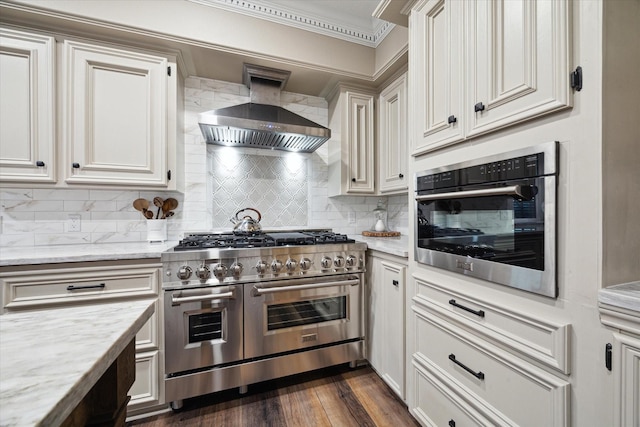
(168, 205)
(147, 214)
(158, 201)
(246, 225)
(141, 205)
(169, 214)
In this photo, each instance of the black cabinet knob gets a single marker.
(401, 176)
(478, 107)
(75, 165)
(451, 119)
(40, 164)
(353, 180)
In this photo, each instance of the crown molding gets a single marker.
(275, 13)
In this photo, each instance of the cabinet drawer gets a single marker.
(43, 288)
(521, 392)
(436, 404)
(528, 335)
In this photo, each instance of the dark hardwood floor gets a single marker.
(335, 397)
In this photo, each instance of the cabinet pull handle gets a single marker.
(395, 283)
(79, 288)
(452, 423)
(75, 165)
(607, 355)
(479, 375)
(479, 313)
(400, 176)
(40, 163)
(452, 119)
(353, 180)
(478, 107)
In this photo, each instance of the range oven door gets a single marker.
(295, 314)
(503, 232)
(203, 327)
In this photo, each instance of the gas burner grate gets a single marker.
(260, 240)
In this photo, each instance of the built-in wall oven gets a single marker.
(493, 218)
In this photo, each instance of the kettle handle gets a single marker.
(249, 209)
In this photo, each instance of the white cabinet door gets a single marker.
(27, 107)
(392, 138)
(627, 393)
(386, 326)
(351, 147)
(116, 125)
(437, 53)
(518, 61)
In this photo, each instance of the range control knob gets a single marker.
(236, 269)
(261, 267)
(203, 272)
(184, 272)
(290, 265)
(220, 271)
(351, 261)
(305, 264)
(338, 261)
(276, 266)
(325, 262)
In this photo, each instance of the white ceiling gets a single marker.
(349, 20)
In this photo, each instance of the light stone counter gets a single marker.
(80, 253)
(49, 359)
(398, 246)
(626, 296)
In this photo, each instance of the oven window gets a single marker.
(495, 228)
(306, 312)
(205, 326)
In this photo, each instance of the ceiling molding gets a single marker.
(370, 37)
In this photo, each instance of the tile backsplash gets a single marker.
(289, 189)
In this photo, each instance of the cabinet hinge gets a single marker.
(576, 79)
(169, 174)
(608, 355)
(169, 71)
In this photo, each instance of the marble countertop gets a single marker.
(49, 359)
(80, 253)
(626, 295)
(398, 246)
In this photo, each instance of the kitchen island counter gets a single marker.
(50, 359)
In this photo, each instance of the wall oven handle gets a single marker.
(179, 300)
(513, 190)
(259, 291)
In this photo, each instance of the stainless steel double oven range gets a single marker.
(493, 218)
(241, 309)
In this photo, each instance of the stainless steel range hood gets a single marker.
(262, 123)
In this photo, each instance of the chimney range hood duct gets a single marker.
(262, 123)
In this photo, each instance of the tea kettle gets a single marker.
(246, 225)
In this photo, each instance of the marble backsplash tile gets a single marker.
(290, 191)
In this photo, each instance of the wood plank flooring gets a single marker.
(332, 397)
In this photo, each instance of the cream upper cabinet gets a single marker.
(392, 138)
(386, 320)
(119, 116)
(27, 107)
(351, 147)
(485, 65)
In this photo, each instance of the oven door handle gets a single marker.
(260, 291)
(513, 190)
(179, 300)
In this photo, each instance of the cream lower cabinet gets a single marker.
(386, 318)
(392, 142)
(351, 147)
(27, 107)
(478, 363)
(52, 286)
(119, 116)
(483, 65)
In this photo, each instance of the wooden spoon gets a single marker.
(147, 214)
(158, 201)
(141, 205)
(168, 205)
